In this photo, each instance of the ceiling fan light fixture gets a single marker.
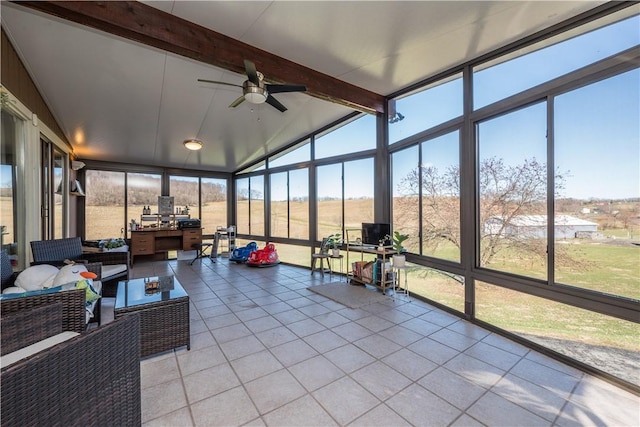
(255, 94)
(193, 144)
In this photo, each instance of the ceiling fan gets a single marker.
(256, 91)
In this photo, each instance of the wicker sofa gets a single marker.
(115, 265)
(75, 313)
(92, 378)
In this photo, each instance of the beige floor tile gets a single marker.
(198, 360)
(293, 352)
(410, 364)
(448, 385)
(158, 371)
(255, 365)
(262, 324)
(417, 405)
(380, 416)
(276, 336)
(230, 408)
(422, 364)
(349, 358)
(316, 372)
(162, 399)
(230, 333)
(241, 347)
(377, 345)
(345, 400)
(274, 390)
(304, 411)
(381, 380)
(181, 417)
(324, 341)
(209, 382)
(494, 410)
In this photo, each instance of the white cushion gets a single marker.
(23, 353)
(14, 290)
(112, 270)
(36, 277)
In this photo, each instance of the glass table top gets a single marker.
(148, 290)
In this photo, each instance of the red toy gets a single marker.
(266, 257)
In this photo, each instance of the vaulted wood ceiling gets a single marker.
(121, 77)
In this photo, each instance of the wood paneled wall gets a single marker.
(14, 76)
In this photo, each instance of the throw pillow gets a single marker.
(36, 277)
(73, 273)
(91, 295)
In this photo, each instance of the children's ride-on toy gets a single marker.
(240, 255)
(266, 257)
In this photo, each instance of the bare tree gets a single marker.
(507, 192)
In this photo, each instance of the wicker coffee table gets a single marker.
(163, 307)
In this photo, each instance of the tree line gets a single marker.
(105, 188)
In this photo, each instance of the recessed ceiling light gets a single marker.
(193, 144)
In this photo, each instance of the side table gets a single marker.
(397, 290)
(331, 269)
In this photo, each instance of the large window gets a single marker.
(104, 204)
(498, 80)
(185, 193)
(426, 196)
(329, 195)
(512, 184)
(589, 337)
(597, 143)
(242, 205)
(11, 132)
(143, 190)
(256, 200)
(354, 136)
(213, 208)
(250, 205)
(345, 196)
(431, 106)
(290, 204)
(54, 186)
(299, 154)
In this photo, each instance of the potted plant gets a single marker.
(334, 241)
(397, 239)
(113, 245)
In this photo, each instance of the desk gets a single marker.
(150, 241)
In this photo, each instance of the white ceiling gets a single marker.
(118, 100)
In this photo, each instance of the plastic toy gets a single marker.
(240, 255)
(266, 257)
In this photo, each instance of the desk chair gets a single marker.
(202, 247)
(322, 255)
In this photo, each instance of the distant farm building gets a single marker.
(535, 227)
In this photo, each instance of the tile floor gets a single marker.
(266, 351)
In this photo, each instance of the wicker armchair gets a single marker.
(90, 379)
(74, 315)
(57, 250)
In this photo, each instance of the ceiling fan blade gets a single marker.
(252, 73)
(285, 88)
(274, 102)
(218, 83)
(237, 102)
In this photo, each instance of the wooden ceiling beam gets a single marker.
(145, 24)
